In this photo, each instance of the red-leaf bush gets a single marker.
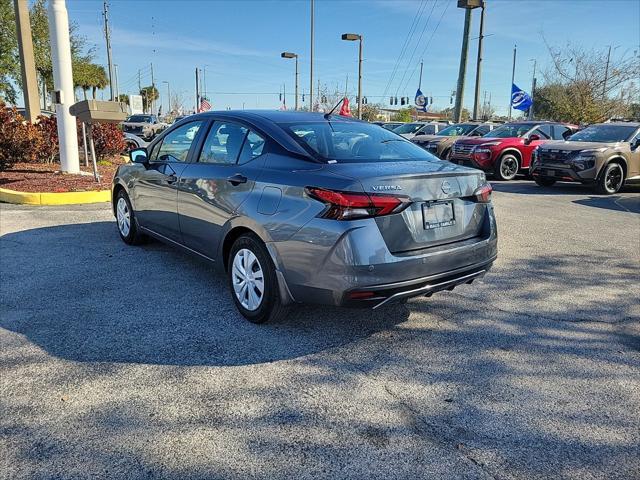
(19, 140)
(108, 140)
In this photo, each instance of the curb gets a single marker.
(62, 198)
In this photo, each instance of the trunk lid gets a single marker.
(430, 186)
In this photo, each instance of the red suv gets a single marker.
(506, 150)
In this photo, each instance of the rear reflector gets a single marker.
(360, 295)
(483, 194)
(352, 205)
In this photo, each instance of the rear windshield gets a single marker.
(354, 142)
(456, 130)
(510, 130)
(604, 133)
(408, 128)
(139, 119)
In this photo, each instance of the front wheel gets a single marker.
(611, 179)
(544, 182)
(253, 282)
(125, 218)
(507, 167)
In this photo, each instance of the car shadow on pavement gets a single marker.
(81, 294)
(561, 188)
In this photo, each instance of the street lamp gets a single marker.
(293, 55)
(353, 37)
(168, 97)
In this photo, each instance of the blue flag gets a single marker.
(420, 101)
(520, 100)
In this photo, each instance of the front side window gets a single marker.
(560, 132)
(457, 130)
(176, 144)
(408, 128)
(604, 133)
(223, 143)
(481, 130)
(354, 142)
(543, 131)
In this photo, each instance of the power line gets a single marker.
(407, 41)
(416, 46)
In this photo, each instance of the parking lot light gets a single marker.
(352, 37)
(293, 55)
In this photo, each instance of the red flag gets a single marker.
(345, 111)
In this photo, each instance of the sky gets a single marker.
(238, 44)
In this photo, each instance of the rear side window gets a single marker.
(482, 130)
(252, 148)
(223, 143)
(560, 132)
(176, 144)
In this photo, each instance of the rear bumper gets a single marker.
(353, 267)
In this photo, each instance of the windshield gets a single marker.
(354, 142)
(139, 119)
(604, 133)
(457, 130)
(408, 128)
(510, 130)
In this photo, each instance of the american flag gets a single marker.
(204, 105)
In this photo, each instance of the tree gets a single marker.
(8, 51)
(149, 95)
(124, 98)
(587, 86)
(448, 114)
(403, 115)
(370, 112)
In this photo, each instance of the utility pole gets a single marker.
(117, 87)
(468, 5)
(107, 36)
(311, 65)
(27, 62)
(153, 85)
(360, 79)
(197, 107)
(476, 100)
(63, 85)
(420, 79)
(513, 78)
(139, 82)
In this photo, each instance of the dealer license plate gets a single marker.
(438, 214)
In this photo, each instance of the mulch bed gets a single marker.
(41, 177)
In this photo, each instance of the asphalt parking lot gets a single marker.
(131, 362)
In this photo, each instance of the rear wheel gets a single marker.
(507, 167)
(252, 280)
(611, 179)
(544, 182)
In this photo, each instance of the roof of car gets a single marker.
(277, 116)
(620, 124)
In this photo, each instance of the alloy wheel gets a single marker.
(613, 179)
(509, 167)
(123, 215)
(247, 279)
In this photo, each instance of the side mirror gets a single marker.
(139, 155)
(532, 138)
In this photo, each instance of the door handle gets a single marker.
(237, 179)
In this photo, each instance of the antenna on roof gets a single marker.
(328, 114)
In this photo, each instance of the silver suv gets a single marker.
(304, 207)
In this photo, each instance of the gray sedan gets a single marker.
(308, 208)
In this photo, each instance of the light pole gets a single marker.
(168, 97)
(293, 55)
(353, 37)
(468, 5)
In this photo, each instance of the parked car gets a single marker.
(410, 130)
(389, 125)
(440, 144)
(506, 150)
(144, 126)
(133, 141)
(302, 207)
(604, 155)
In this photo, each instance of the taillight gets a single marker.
(351, 205)
(483, 194)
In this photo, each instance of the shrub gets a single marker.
(19, 140)
(49, 148)
(108, 140)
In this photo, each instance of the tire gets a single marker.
(446, 154)
(611, 179)
(507, 167)
(126, 220)
(544, 182)
(249, 253)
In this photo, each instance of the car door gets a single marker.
(544, 132)
(155, 191)
(214, 185)
(634, 156)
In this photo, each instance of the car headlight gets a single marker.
(585, 159)
(482, 149)
(534, 157)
